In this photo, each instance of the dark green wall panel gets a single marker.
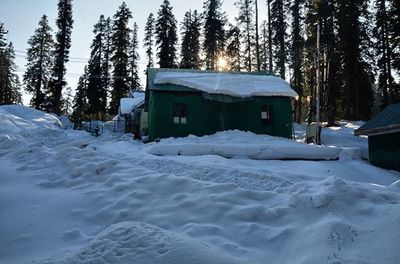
(208, 116)
(384, 151)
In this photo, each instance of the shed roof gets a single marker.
(127, 105)
(387, 121)
(232, 84)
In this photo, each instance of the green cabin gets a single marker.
(383, 132)
(183, 102)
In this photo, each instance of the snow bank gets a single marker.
(20, 121)
(140, 243)
(230, 144)
(238, 85)
(343, 136)
(74, 198)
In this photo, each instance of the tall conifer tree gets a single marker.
(9, 80)
(149, 40)
(63, 43)
(214, 33)
(296, 54)
(96, 91)
(190, 48)
(233, 49)
(133, 60)
(357, 78)
(80, 101)
(120, 59)
(166, 36)
(39, 63)
(279, 35)
(246, 22)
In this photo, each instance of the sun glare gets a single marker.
(222, 63)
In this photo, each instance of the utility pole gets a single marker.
(269, 37)
(317, 99)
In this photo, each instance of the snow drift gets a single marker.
(230, 144)
(140, 243)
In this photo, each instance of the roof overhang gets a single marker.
(378, 131)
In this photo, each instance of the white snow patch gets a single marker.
(238, 85)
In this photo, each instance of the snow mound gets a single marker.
(238, 85)
(140, 243)
(20, 121)
(66, 123)
(234, 143)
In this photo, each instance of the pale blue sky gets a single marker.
(22, 16)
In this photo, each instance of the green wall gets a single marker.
(216, 113)
(384, 151)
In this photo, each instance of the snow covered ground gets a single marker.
(67, 197)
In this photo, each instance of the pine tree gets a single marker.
(264, 46)
(296, 55)
(63, 43)
(166, 36)
(80, 101)
(67, 102)
(106, 63)
(323, 13)
(149, 39)
(385, 38)
(97, 92)
(246, 22)
(39, 63)
(190, 47)
(214, 33)
(258, 55)
(120, 45)
(3, 42)
(394, 29)
(133, 60)
(270, 59)
(279, 35)
(3, 61)
(394, 42)
(357, 78)
(9, 81)
(233, 49)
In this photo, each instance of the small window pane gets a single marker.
(266, 115)
(179, 113)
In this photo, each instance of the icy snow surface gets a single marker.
(238, 85)
(67, 197)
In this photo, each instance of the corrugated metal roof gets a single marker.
(386, 121)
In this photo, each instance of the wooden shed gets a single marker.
(183, 102)
(383, 132)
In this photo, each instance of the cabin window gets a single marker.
(266, 114)
(180, 114)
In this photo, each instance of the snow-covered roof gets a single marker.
(127, 105)
(233, 84)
